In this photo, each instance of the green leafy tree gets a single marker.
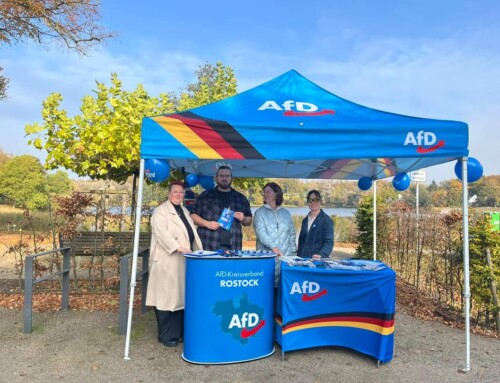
(23, 180)
(485, 272)
(58, 183)
(487, 190)
(214, 83)
(4, 156)
(364, 222)
(102, 142)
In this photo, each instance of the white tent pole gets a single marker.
(375, 220)
(465, 214)
(138, 214)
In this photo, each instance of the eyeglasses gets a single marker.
(178, 192)
(311, 200)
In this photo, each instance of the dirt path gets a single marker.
(78, 346)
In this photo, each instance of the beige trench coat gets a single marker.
(167, 267)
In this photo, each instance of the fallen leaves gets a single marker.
(43, 302)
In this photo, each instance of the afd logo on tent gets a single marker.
(310, 291)
(295, 108)
(426, 142)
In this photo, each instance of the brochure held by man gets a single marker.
(226, 218)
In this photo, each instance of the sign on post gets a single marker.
(418, 176)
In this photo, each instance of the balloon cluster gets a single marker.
(206, 182)
(401, 181)
(365, 183)
(192, 180)
(156, 170)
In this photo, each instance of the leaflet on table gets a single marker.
(226, 219)
(291, 260)
(332, 263)
(350, 264)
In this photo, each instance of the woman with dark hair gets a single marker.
(273, 224)
(172, 234)
(316, 232)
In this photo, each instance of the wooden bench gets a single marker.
(88, 243)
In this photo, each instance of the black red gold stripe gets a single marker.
(380, 323)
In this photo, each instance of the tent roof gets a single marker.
(290, 127)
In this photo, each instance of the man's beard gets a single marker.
(224, 185)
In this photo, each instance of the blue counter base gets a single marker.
(230, 362)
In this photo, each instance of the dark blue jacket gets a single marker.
(319, 239)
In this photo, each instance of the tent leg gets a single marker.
(465, 215)
(134, 259)
(375, 220)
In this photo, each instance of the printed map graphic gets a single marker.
(226, 309)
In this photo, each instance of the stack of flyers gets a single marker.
(226, 218)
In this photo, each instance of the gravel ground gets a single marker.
(78, 346)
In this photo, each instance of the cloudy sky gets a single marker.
(427, 58)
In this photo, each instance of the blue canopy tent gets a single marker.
(290, 127)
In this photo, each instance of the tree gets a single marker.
(485, 268)
(4, 156)
(364, 221)
(71, 23)
(4, 81)
(23, 179)
(214, 83)
(487, 190)
(58, 183)
(103, 142)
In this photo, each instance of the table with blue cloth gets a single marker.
(350, 307)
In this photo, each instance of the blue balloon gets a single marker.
(207, 182)
(156, 170)
(365, 183)
(474, 170)
(401, 181)
(192, 180)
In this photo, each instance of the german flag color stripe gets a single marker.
(187, 137)
(208, 139)
(325, 171)
(221, 136)
(380, 323)
(388, 171)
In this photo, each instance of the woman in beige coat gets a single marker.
(173, 234)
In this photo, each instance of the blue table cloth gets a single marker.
(337, 307)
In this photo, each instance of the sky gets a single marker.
(426, 58)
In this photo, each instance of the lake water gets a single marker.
(302, 211)
(295, 211)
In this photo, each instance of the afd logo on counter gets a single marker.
(310, 291)
(249, 324)
(426, 142)
(240, 318)
(293, 108)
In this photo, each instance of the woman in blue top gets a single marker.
(273, 224)
(316, 232)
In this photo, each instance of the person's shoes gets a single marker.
(171, 343)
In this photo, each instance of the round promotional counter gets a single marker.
(229, 307)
